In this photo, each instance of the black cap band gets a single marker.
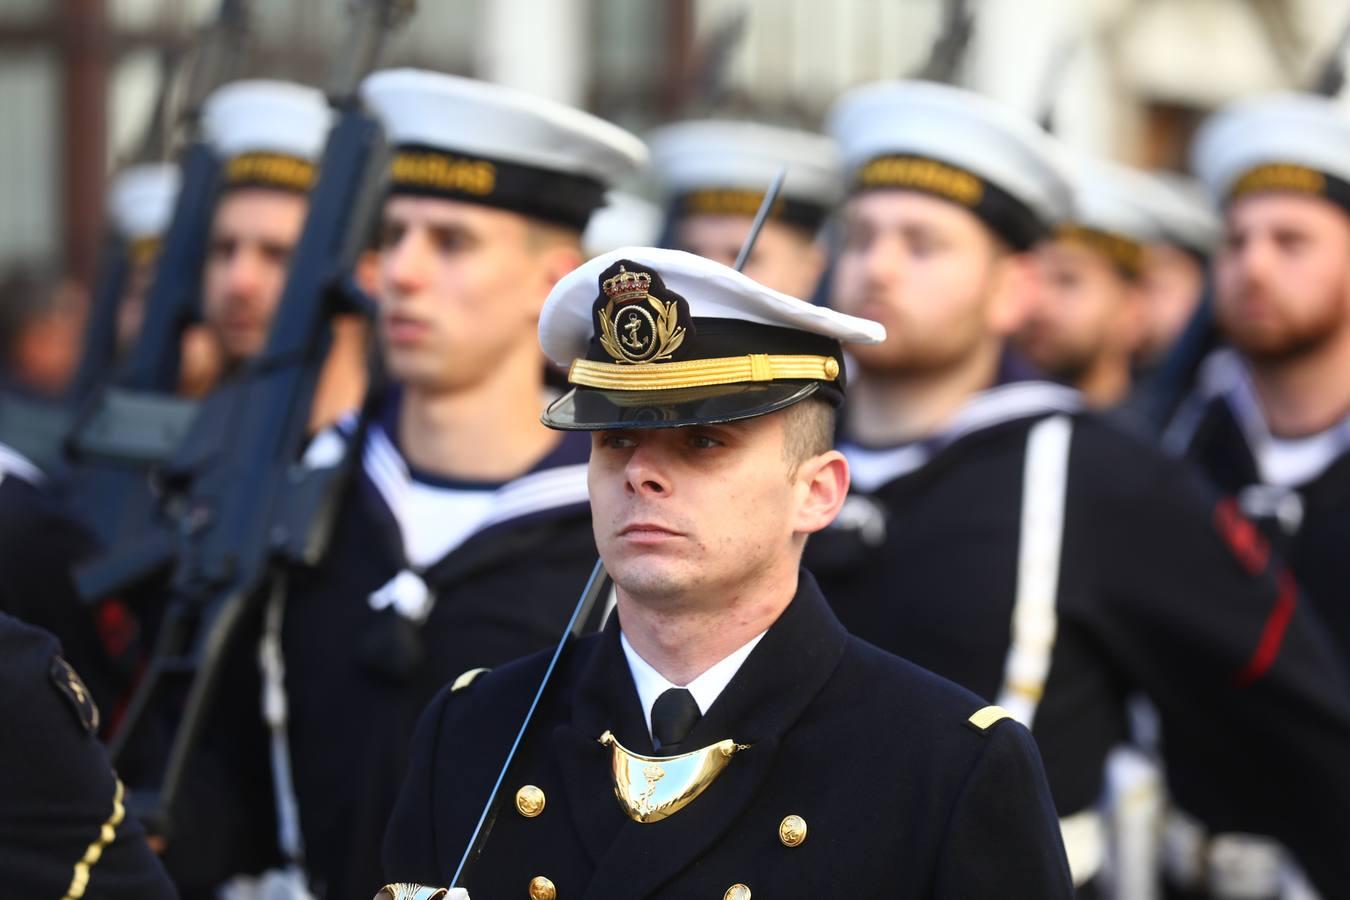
(275, 171)
(1009, 217)
(715, 201)
(1291, 178)
(558, 197)
(1125, 253)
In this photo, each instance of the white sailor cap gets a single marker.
(1277, 142)
(1182, 208)
(140, 204)
(269, 133)
(714, 167)
(658, 338)
(1107, 215)
(625, 219)
(484, 143)
(955, 144)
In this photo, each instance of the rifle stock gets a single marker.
(237, 468)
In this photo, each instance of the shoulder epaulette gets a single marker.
(986, 718)
(466, 679)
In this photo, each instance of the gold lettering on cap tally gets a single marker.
(1280, 177)
(924, 175)
(278, 169)
(728, 202)
(443, 172)
(1126, 254)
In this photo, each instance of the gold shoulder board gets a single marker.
(466, 679)
(986, 718)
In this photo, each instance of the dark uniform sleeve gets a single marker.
(65, 830)
(40, 544)
(1254, 702)
(410, 838)
(1003, 836)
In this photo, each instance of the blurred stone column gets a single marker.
(542, 48)
(84, 76)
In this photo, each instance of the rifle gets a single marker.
(708, 78)
(114, 268)
(590, 595)
(246, 504)
(136, 421)
(100, 333)
(949, 49)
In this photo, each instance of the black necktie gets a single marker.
(674, 715)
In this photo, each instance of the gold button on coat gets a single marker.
(542, 889)
(529, 801)
(792, 831)
(737, 892)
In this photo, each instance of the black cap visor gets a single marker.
(592, 409)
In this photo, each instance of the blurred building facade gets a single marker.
(80, 79)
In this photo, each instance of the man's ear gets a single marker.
(1132, 318)
(1015, 280)
(822, 486)
(560, 259)
(555, 260)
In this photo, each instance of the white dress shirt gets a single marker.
(705, 688)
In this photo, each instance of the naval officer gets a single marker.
(821, 766)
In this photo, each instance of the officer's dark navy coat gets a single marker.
(1160, 591)
(357, 678)
(902, 797)
(64, 822)
(1307, 523)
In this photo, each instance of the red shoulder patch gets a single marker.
(1248, 544)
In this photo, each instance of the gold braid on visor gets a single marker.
(703, 372)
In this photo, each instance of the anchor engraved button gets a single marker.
(529, 801)
(792, 831)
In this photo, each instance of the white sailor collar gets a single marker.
(1280, 462)
(15, 464)
(871, 468)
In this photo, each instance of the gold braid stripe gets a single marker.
(79, 881)
(702, 372)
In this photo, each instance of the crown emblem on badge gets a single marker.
(636, 326)
(627, 285)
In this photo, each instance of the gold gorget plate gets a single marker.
(652, 788)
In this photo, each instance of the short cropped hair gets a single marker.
(808, 430)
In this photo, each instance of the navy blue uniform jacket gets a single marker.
(64, 825)
(902, 796)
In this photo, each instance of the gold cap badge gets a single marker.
(542, 889)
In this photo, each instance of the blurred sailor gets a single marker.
(1268, 419)
(715, 174)
(465, 536)
(1033, 553)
